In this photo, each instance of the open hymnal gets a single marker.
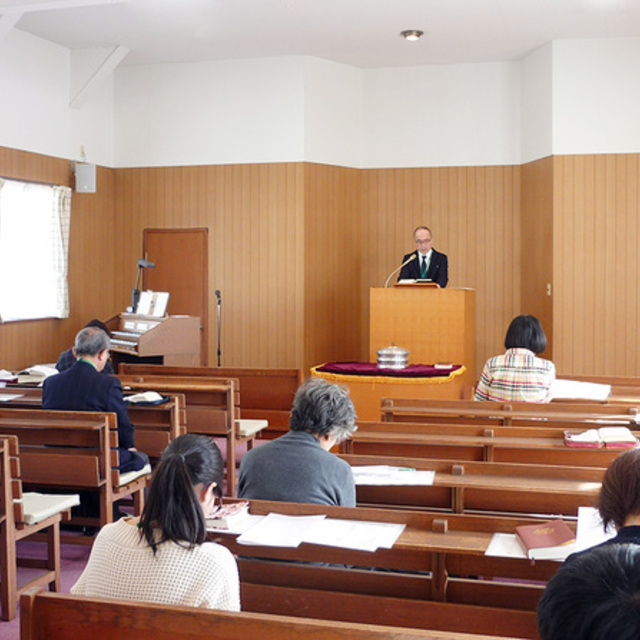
(611, 437)
(228, 516)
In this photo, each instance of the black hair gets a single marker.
(98, 323)
(172, 510)
(526, 332)
(620, 491)
(594, 596)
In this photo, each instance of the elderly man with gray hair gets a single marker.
(298, 467)
(81, 388)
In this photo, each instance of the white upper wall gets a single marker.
(569, 97)
(35, 111)
(453, 115)
(332, 113)
(537, 105)
(231, 112)
(596, 93)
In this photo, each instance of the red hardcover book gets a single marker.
(552, 540)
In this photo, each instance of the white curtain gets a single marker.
(34, 250)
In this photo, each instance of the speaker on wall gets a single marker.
(85, 177)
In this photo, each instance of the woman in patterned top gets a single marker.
(518, 375)
(164, 556)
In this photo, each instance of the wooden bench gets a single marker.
(529, 445)
(155, 425)
(212, 408)
(491, 487)
(563, 415)
(428, 579)
(21, 516)
(74, 450)
(267, 394)
(45, 616)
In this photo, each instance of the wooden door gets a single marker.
(182, 268)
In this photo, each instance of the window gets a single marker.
(34, 250)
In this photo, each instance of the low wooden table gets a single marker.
(367, 391)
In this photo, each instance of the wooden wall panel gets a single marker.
(254, 214)
(474, 214)
(334, 257)
(537, 245)
(596, 272)
(91, 261)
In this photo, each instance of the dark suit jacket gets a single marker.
(82, 388)
(438, 268)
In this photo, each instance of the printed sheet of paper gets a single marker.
(276, 530)
(579, 390)
(6, 397)
(353, 534)
(384, 475)
(590, 530)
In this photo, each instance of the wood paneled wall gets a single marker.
(294, 248)
(254, 214)
(334, 258)
(596, 269)
(474, 215)
(91, 261)
(537, 245)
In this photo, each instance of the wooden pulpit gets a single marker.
(435, 325)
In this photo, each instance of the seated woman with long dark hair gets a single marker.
(518, 374)
(164, 556)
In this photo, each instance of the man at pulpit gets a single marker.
(425, 263)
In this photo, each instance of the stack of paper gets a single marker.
(277, 530)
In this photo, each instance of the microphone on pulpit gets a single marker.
(413, 257)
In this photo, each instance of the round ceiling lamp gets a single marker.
(412, 35)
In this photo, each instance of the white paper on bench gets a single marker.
(385, 475)
(590, 530)
(353, 534)
(506, 545)
(277, 530)
(6, 397)
(579, 390)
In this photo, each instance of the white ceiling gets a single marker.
(361, 33)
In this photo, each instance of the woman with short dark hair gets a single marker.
(518, 374)
(164, 556)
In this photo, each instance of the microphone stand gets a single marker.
(413, 257)
(219, 305)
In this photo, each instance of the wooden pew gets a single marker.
(74, 451)
(491, 487)
(529, 445)
(46, 616)
(436, 561)
(267, 394)
(18, 521)
(525, 414)
(155, 425)
(212, 408)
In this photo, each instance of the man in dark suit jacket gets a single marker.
(428, 263)
(82, 388)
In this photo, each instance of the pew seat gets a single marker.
(21, 516)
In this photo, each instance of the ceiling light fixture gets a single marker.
(412, 35)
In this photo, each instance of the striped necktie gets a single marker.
(423, 267)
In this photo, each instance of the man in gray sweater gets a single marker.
(298, 467)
